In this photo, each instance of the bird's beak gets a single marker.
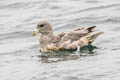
(35, 32)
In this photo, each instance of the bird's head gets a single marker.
(43, 27)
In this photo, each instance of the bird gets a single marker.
(65, 40)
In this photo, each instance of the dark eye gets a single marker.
(42, 25)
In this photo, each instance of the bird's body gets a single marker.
(65, 40)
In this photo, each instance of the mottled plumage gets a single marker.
(65, 40)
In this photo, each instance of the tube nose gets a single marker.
(35, 32)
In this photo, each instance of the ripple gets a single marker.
(92, 1)
(72, 78)
(116, 28)
(94, 9)
(13, 35)
(17, 5)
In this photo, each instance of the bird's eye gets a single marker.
(42, 25)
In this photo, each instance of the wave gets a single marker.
(14, 35)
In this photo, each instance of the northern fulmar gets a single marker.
(66, 40)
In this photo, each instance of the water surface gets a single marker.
(19, 50)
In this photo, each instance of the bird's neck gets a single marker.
(46, 39)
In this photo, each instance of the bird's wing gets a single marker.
(86, 40)
(64, 39)
(72, 38)
(76, 34)
(58, 37)
(83, 31)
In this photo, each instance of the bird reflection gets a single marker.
(57, 56)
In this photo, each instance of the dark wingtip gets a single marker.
(91, 29)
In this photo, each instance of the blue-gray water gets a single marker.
(19, 50)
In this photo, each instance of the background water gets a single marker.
(18, 49)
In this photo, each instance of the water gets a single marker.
(19, 50)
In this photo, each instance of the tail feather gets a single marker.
(92, 37)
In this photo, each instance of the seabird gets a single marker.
(66, 40)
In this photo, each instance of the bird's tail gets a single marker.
(91, 29)
(92, 37)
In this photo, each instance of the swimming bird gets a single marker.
(66, 40)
